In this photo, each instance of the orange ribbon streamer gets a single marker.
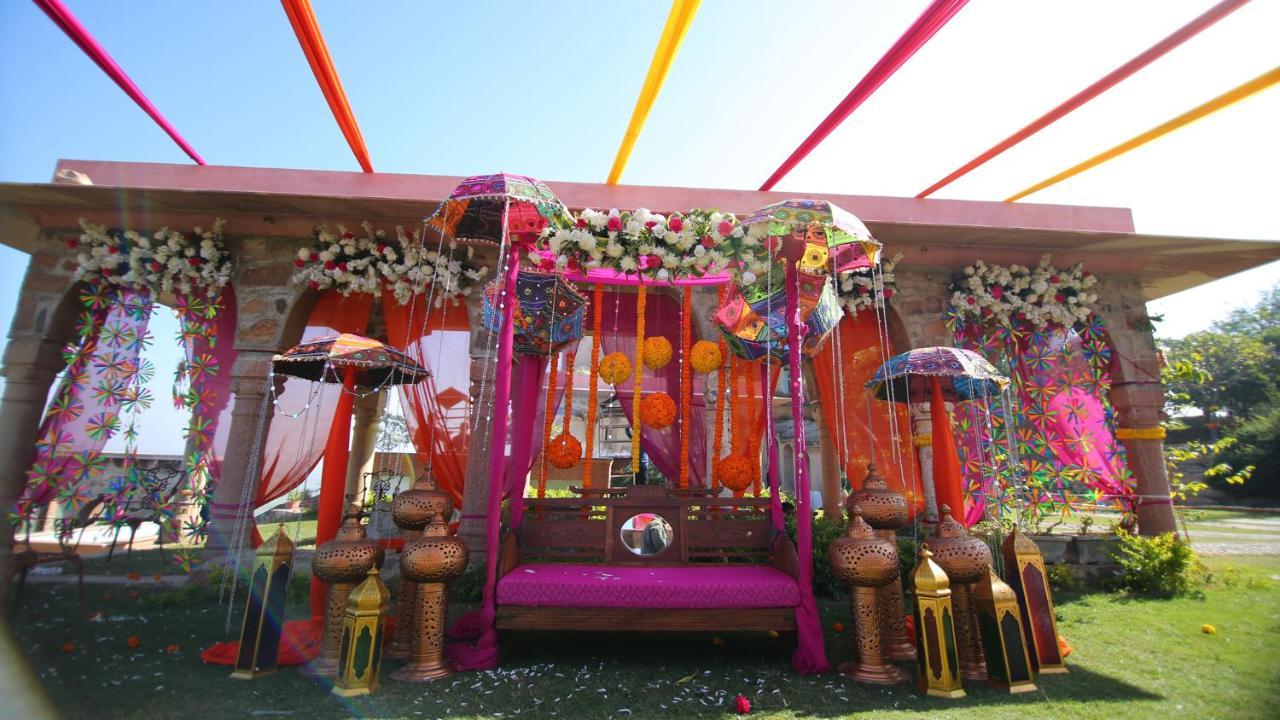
(303, 20)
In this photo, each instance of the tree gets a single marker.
(1240, 369)
(393, 433)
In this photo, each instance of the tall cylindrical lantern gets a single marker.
(886, 511)
(431, 561)
(965, 559)
(1025, 573)
(360, 657)
(866, 563)
(411, 511)
(264, 610)
(342, 562)
(938, 661)
(1000, 624)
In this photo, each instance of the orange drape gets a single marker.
(748, 407)
(437, 409)
(860, 353)
(946, 464)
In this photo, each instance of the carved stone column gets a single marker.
(364, 437)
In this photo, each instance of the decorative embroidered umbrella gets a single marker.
(548, 312)
(945, 373)
(349, 358)
(754, 320)
(826, 226)
(969, 375)
(474, 210)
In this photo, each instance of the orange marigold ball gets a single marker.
(705, 356)
(657, 410)
(615, 368)
(564, 452)
(657, 352)
(736, 472)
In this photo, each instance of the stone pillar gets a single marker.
(1138, 398)
(364, 437)
(475, 491)
(250, 422)
(922, 416)
(30, 366)
(832, 505)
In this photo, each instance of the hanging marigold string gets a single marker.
(569, 360)
(721, 400)
(686, 382)
(639, 369)
(549, 416)
(597, 299)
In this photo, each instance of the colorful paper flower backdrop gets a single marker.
(1054, 448)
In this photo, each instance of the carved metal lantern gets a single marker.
(866, 563)
(1000, 622)
(430, 561)
(360, 658)
(264, 610)
(965, 559)
(938, 663)
(411, 511)
(886, 511)
(1025, 573)
(342, 562)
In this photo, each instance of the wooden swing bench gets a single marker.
(723, 567)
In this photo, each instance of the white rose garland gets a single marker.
(163, 262)
(1013, 295)
(858, 287)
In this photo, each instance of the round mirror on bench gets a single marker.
(646, 534)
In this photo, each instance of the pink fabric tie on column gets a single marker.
(810, 656)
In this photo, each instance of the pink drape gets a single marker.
(437, 410)
(210, 352)
(661, 318)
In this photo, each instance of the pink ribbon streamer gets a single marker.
(68, 23)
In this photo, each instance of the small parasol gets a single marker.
(548, 312)
(949, 374)
(835, 230)
(369, 363)
(754, 320)
(474, 210)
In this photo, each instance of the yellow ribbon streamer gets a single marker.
(678, 22)
(1232, 96)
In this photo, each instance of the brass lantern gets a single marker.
(866, 563)
(430, 561)
(886, 511)
(264, 610)
(342, 562)
(1025, 573)
(938, 662)
(411, 511)
(1000, 622)
(360, 657)
(965, 559)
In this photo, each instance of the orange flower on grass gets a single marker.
(134, 641)
(157, 577)
(134, 594)
(175, 647)
(67, 647)
(837, 627)
(134, 576)
(657, 410)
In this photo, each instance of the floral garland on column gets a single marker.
(858, 289)
(1040, 323)
(404, 264)
(129, 270)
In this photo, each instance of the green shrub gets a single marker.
(469, 586)
(1063, 580)
(824, 532)
(1159, 566)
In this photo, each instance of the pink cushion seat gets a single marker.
(622, 586)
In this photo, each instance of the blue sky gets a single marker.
(547, 88)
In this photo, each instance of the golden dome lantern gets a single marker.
(1024, 571)
(1005, 645)
(430, 561)
(938, 661)
(886, 510)
(866, 562)
(360, 657)
(411, 511)
(264, 610)
(342, 563)
(965, 559)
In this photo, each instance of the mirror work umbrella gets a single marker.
(938, 375)
(547, 316)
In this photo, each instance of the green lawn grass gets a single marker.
(1133, 659)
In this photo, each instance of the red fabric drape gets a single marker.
(294, 446)
(854, 439)
(946, 464)
(437, 410)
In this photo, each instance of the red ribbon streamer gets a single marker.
(68, 23)
(930, 22)
(1108, 81)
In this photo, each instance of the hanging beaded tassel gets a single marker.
(635, 395)
(549, 415)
